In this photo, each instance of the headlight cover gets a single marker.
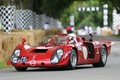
(57, 56)
(15, 56)
(17, 52)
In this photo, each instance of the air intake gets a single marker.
(40, 50)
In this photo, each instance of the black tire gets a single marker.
(72, 60)
(103, 58)
(21, 68)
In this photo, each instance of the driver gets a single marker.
(78, 44)
(72, 35)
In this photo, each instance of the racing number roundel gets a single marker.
(84, 52)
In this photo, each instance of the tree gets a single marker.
(114, 3)
(51, 7)
(83, 18)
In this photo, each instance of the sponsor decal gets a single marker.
(32, 62)
(85, 52)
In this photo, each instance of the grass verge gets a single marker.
(3, 65)
(118, 35)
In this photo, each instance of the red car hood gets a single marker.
(40, 52)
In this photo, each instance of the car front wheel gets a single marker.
(21, 68)
(72, 60)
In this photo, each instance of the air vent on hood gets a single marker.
(40, 50)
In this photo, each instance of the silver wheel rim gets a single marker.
(104, 56)
(73, 59)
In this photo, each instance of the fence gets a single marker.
(116, 19)
(7, 17)
(116, 22)
(23, 19)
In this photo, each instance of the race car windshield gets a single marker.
(54, 39)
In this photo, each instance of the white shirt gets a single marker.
(46, 26)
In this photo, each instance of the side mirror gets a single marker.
(91, 37)
(23, 41)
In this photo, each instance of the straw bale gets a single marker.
(0, 44)
(31, 38)
(16, 30)
(0, 50)
(106, 32)
(7, 43)
(5, 46)
(1, 58)
(38, 35)
(21, 35)
(52, 31)
(1, 31)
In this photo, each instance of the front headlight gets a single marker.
(14, 59)
(17, 52)
(59, 53)
(57, 56)
(15, 56)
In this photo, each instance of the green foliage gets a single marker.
(1, 2)
(113, 3)
(24, 4)
(6, 2)
(52, 7)
(83, 18)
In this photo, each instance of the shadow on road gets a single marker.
(56, 69)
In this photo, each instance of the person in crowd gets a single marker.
(46, 26)
(69, 29)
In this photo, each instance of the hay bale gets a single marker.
(52, 31)
(0, 50)
(1, 31)
(21, 35)
(106, 32)
(31, 38)
(1, 57)
(16, 30)
(0, 45)
(7, 45)
(39, 34)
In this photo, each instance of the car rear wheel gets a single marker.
(72, 60)
(21, 68)
(103, 58)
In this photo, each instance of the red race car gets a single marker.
(60, 50)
